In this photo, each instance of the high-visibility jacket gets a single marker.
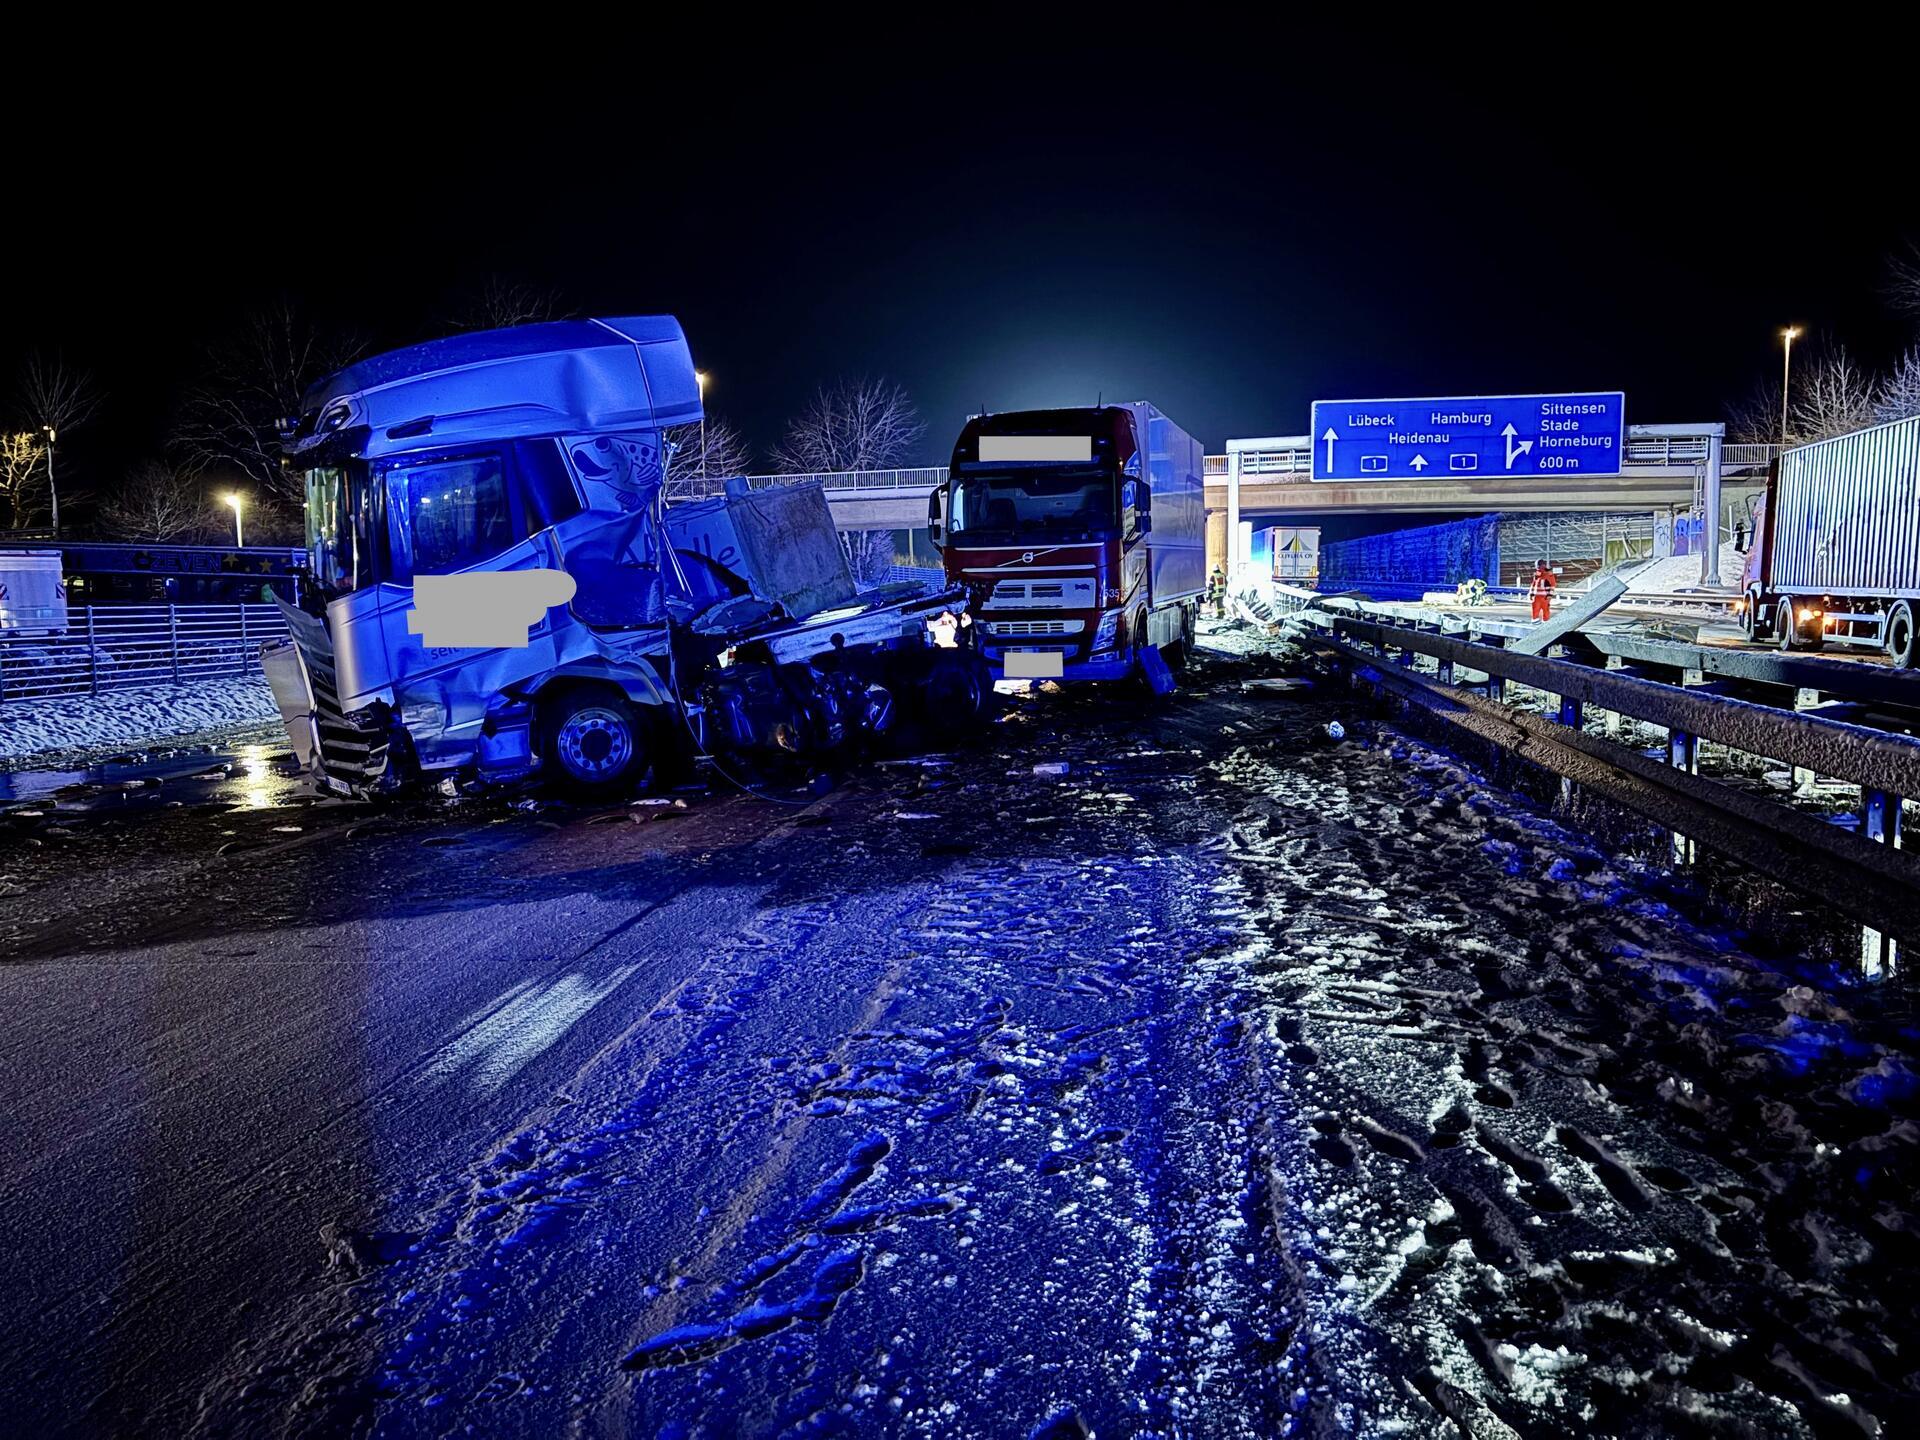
(1542, 584)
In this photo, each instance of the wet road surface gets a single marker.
(1238, 1082)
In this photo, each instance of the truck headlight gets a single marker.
(1103, 637)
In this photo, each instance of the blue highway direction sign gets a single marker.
(1479, 437)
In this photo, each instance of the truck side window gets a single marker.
(459, 513)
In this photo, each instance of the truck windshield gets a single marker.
(1054, 500)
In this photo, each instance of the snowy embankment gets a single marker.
(131, 717)
(1679, 573)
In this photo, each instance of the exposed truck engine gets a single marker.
(500, 591)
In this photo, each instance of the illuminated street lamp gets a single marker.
(700, 379)
(239, 538)
(53, 490)
(1790, 334)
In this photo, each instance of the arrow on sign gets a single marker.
(1515, 449)
(1329, 437)
(1419, 463)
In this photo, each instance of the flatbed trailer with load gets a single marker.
(521, 473)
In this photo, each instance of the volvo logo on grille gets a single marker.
(1027, 559)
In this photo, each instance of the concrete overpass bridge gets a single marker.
(1665, 467)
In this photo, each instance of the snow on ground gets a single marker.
(1679, 573)
(81, 723)
(1218, 1079)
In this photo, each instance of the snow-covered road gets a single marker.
(1237, 1083)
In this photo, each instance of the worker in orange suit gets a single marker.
(1541, 591)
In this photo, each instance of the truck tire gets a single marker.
(1783, 635)
(1900, 636)
(1750, 619)
(957, 693)
(595, 744)
(1786, 634)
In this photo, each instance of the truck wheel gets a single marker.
(1750, 621)
(1900, 635)
(1783, 635)
(957, 693)
(596, 745)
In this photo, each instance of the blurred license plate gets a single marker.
(1033, 664)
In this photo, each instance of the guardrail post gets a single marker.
(173, 640)
(1683, 753)
(93, 658)
(1880, 952)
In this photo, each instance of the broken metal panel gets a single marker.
(780, 541)
(1536, 639)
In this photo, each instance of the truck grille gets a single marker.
(350, 751)
(1054, 594)
(1035, 627)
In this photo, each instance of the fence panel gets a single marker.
(124, 647)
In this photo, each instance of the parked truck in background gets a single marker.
(729, 627)
(1080, 536)
(1837, 551)
(33, 592)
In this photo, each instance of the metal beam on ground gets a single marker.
(1595, 602)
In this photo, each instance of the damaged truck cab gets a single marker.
(730, 625)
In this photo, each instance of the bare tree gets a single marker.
(159, 502)
(1899, 394)
(1756, 420)
(1831, 396)
(23, 477)
(726, 452)
(55, 398)
(500, 304)
(852, 425)
(1903, 280)
(252, 381)
(869, 553)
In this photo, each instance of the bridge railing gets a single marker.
(1679, 451)
(922, 478)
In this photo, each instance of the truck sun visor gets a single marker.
(1018, 449)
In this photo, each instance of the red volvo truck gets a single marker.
(1080, 536)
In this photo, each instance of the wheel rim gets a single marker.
(1900, 635)
(595, 743)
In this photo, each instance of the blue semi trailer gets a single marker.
(730, 627)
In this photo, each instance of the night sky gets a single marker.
(1138, 217)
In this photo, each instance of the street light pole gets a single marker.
(1786, 377)
(700, 378)
(239, 535)
(53, 490)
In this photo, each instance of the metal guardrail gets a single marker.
(1863, 875)
(123, 647)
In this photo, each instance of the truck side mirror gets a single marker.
(936, 532)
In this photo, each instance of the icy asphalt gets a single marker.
(1237, 1082)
